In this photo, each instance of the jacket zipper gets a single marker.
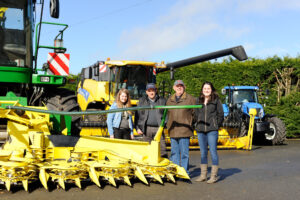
(177, 111)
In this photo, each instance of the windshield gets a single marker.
(12, 37)
(244, 96)
(132, 77)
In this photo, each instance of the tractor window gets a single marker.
(12, 37)
(12, 18)
(244, 96)
(227, 97)
(134, 78)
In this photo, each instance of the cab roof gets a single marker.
(112, 63)
(241, 87)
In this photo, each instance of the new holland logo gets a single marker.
(84, 93)
(58, 63)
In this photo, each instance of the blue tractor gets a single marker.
(239, 100)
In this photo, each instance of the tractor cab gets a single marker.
(240, 94)
(242, 98)
(13, 17)
(101, 82)
(131, 75)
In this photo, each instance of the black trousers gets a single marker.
(120, 133)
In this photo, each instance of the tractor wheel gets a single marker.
(243, 130)
(62, 99)
(277, 132)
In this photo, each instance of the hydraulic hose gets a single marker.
(102, 112)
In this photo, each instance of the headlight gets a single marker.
(45, 79)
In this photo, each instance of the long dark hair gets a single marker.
(214, 95)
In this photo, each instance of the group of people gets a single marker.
(181, 123)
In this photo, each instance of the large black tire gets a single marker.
(61, 99)
(278, 132)
(243, 129)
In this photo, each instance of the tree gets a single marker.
(284, 81)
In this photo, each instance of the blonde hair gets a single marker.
(121, 104)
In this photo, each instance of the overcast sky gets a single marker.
(171, 30)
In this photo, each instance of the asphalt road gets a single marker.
(266, 172)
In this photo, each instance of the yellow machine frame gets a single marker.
(32, 154)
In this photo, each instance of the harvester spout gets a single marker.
(238, 52)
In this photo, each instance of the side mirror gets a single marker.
(54, 8)
(223, 91)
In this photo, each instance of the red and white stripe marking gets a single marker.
(58, 63)
(102, 68)
(154, 71)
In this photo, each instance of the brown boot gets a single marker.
(203, 175)
(214, 174)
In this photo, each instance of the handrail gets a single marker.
(102, 112)
(48, 47)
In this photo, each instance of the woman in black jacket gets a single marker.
(208, 120)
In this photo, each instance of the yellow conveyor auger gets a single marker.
(32, 153)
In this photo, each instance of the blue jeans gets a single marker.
(180, 152)
(208, 139)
